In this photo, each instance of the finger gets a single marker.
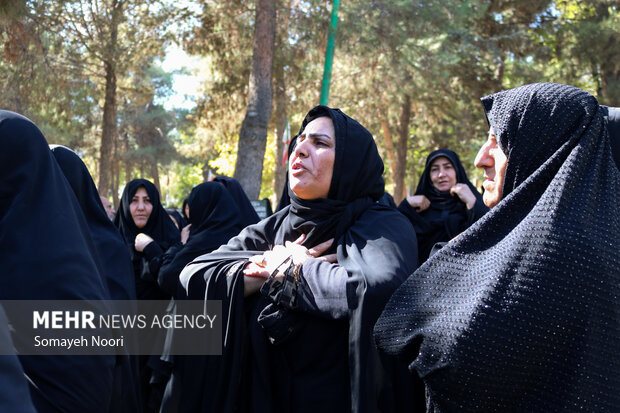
(299, 240)
(258, 260)
(332, 258)
(253, 271)
(321, 248)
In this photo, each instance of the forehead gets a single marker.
(322, 125)
(440, 161)
(141, 191)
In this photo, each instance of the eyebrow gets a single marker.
(315, 135)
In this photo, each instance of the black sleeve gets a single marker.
(170, 268)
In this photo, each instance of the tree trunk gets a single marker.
(108, 131)
(281, 122)
(126, 162)
(253, 135)
(401, 151)
(116, 171)
(387, 136)
(155, 175)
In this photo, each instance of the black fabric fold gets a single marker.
(247, 213)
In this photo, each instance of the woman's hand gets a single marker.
(419, 202)
(142, 240)
(465, 194)
(185, 233)
(263, 265)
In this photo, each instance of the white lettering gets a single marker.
(39, 319)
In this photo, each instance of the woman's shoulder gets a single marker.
(381, 218)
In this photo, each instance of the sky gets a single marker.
(186, 86)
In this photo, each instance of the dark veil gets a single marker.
(47, 253)
(520, 312)
(214, 218)
(110, 248)
(248, 215)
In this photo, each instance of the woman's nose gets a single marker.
(482, 158)
(300, 149)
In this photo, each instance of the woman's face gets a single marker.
(312, 161)
(442, 173)
(493, 160)
(140, 207)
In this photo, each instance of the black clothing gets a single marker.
(154, 372)
(447, 215)
(14, 394)
(248, 215)
(112, 253)
(305, 345)
(520, 312)
(180, 219)
(114, 262)
(215, 219)
(46, 253)
(612, 117)
(159, 227)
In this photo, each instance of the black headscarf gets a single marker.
(215, 219)
(521, 312)
(113, 255)
(159, 225)
(179, 218)
(46, 253)
(447, 215)
(376, 248)
(248, 215)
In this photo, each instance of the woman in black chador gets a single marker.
(47, 253)
(114, 262)
(147, 231)
(214, 220)
(445, 202)
(520, 312)
(301, 289)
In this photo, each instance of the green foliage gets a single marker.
(442, 55)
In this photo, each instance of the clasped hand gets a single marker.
(265, 264)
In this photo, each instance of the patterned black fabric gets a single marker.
(521, 312)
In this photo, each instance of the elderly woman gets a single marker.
(520, 312)
(445, 202)
(301, 289)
